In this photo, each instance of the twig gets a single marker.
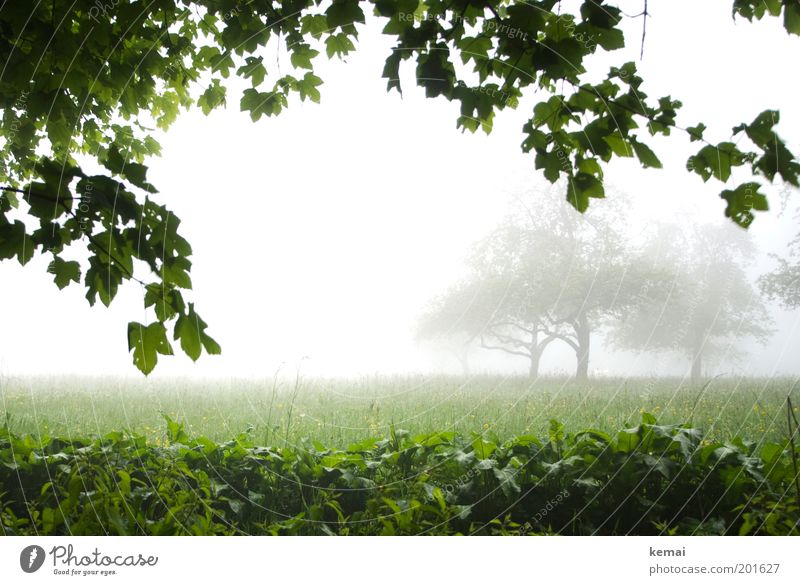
(644, 29)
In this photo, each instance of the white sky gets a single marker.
(323, 232)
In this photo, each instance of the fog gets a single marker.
(322, 236)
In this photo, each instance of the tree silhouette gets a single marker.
(543, 275)
(703, 300)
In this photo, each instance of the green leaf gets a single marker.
(716, 161)
(14, 242)
(59, 132)
(65, 272)
(165, 300)
(742, 201)
(435, 73)
(146, 343)
(483, 449)
(8, 201)
(253, 69)
(581, 188)
(343, 13)
(302, 55)
(391, 71)
(125, 167)
(618, 144)
(556, 431)
(696, 132)
(646, 156)
(610, 39)
(190, 329)
(261, 103)
(591, 166)
(175, 431)
(553, 164)
(791, 17)
(308, 87)
(507, 479)
(549, 113)
(314, 24)
(339, 45)
(213, 97)
(175, 271)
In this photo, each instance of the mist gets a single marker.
(321, 237)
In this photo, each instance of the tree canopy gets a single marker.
(783, 283)
(702, 303)
(85, 84)
(543, 276)
(566, 277)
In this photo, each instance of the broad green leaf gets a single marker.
(64, 272)
(742, 201)
(190, 329)
(338, 45)
(147, 342)
(646, 156)
(344, 12)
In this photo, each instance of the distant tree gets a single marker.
(488, 309)
(783, 283)
(541, 276)
(701, 301)
(454, 319)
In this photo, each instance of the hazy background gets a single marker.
(324, 232)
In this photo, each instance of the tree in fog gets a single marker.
(783, 284)
(494, 306)
(701, 301)
(454, 320)
(545, 274)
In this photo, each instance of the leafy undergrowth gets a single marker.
(650, 479)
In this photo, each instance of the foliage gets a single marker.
(649, 479)
(86, 84)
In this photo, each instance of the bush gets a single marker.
(650, 479)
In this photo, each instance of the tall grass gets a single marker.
(338, 411)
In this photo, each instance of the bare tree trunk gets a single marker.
(536, 350)
(584, 338)
(536, 356)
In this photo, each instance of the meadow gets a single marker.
(394, 456)
(340, 411)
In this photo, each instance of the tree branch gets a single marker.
(508, 340)
(505, 349)
(102, 248)
(37, 195)
(563, 337)
(62, 201)
(545, 342)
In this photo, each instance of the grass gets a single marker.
(400, 455)
(338, 412)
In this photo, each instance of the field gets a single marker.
(338, 412)
(484, 455)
